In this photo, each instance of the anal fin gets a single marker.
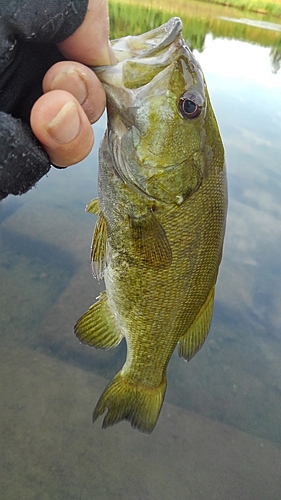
(190, 343)
(97, 327)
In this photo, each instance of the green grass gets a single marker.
(273, 7)
(200, 18)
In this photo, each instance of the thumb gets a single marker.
(89, 44)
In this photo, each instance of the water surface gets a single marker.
(219, 433)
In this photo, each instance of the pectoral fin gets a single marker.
(98, 248)
(97, 327)
(150, 240)
(196, 335)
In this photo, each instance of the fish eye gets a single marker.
(188, 108)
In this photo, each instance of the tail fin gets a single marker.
(125, 400)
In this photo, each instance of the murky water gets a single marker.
(219, 433)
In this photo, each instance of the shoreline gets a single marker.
(257, 6)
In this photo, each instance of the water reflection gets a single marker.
(199, 20)
(247, 99)
(242, 65)
(219, 434)
(251, 22)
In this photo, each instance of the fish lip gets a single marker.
(158, 47)
(168, 32)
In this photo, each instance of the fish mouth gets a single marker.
(146, 44)
(141, 57)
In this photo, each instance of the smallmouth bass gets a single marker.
(161, 207)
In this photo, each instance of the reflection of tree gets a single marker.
(275, 58)
(196, 41)
(135, 19)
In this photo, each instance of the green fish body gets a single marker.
(161, 210)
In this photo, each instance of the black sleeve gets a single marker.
(29, 31)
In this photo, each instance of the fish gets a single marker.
(161, 216)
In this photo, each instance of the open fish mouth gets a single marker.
(141, 57)
(148, 44)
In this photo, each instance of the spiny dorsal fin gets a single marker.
(150, 241)
(97, 327)
(98, 248)
(93, 206)
(196, 335)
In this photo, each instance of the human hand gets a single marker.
(73, 96)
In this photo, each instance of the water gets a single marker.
(219, 433)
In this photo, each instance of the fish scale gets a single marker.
(159, 235)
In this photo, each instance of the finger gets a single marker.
(89, 43)
(62, 127)
(81, 82)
